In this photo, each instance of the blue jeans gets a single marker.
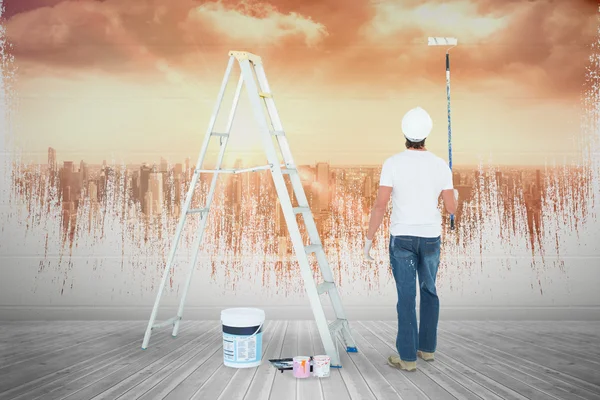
(409, 256)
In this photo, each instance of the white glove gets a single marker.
(367, 249)
(456, 195)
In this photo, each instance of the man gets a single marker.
(414, 179)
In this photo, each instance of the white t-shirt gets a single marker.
(417, 178)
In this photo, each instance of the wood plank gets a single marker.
(473, 371)
(160, 361)
(377, 350)
(446, 382)
(494, 368)
(475, 360)
(565, 383)
(355, 383)
(565, 364)
(244, 379)
(525, 384)
(262, 383)
(333, 387)
(99, 380)
(380, 377)
(585, 329)
(309, 388)
(577, 331)
(201, 374)
(52, 343)
(32, 337)
(284, 385)
(214, 387)
(168, 372)
(422, 378)
(165, 380)
(55, 341)
(584, 349)
(94, 367)
(11, 377)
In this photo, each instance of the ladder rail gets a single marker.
(290, 218)
(274, 114)
(188, 201)
(296, 181)
(300, 195)
(204, 217)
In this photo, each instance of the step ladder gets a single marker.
(259, 91)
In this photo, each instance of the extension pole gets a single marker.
(447, 41)
(449, 123)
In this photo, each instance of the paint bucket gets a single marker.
(242, 337)
(301, 367)
(321, 366)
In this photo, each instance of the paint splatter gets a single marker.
(504, 213)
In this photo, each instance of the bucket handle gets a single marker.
(257, 330)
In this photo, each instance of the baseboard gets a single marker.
(49, 313)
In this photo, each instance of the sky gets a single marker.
(136, 80)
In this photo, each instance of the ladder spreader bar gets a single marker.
(234, 171)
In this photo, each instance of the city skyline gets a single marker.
(162, 186)
(246, 223)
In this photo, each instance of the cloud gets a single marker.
(458, 19)
(114, 35)
(542, 45)
(74, 34)
(259, 24)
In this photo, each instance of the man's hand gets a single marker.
(367, 249)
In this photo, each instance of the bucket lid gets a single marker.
(242, 317)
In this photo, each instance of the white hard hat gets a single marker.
(416, 124)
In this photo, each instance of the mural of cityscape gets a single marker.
(95, 76)
(246, 220)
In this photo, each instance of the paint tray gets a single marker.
(284, 364)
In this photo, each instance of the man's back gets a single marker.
(417, 178)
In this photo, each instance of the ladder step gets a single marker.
(301, 210)
(264, 94)
(278, 133)
(234, 171)
(313, 248)
(197, 210)
(219, 134)
(216, 171)
(289, 171)
(166, 323)
(336, 326)
(325, 287)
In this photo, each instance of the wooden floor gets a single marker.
(475, 360)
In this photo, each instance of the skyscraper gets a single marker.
(156, 188)
(323, 181)
(144, 183)
(51, 159)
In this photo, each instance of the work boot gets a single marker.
(396, 362)
(425, 355)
